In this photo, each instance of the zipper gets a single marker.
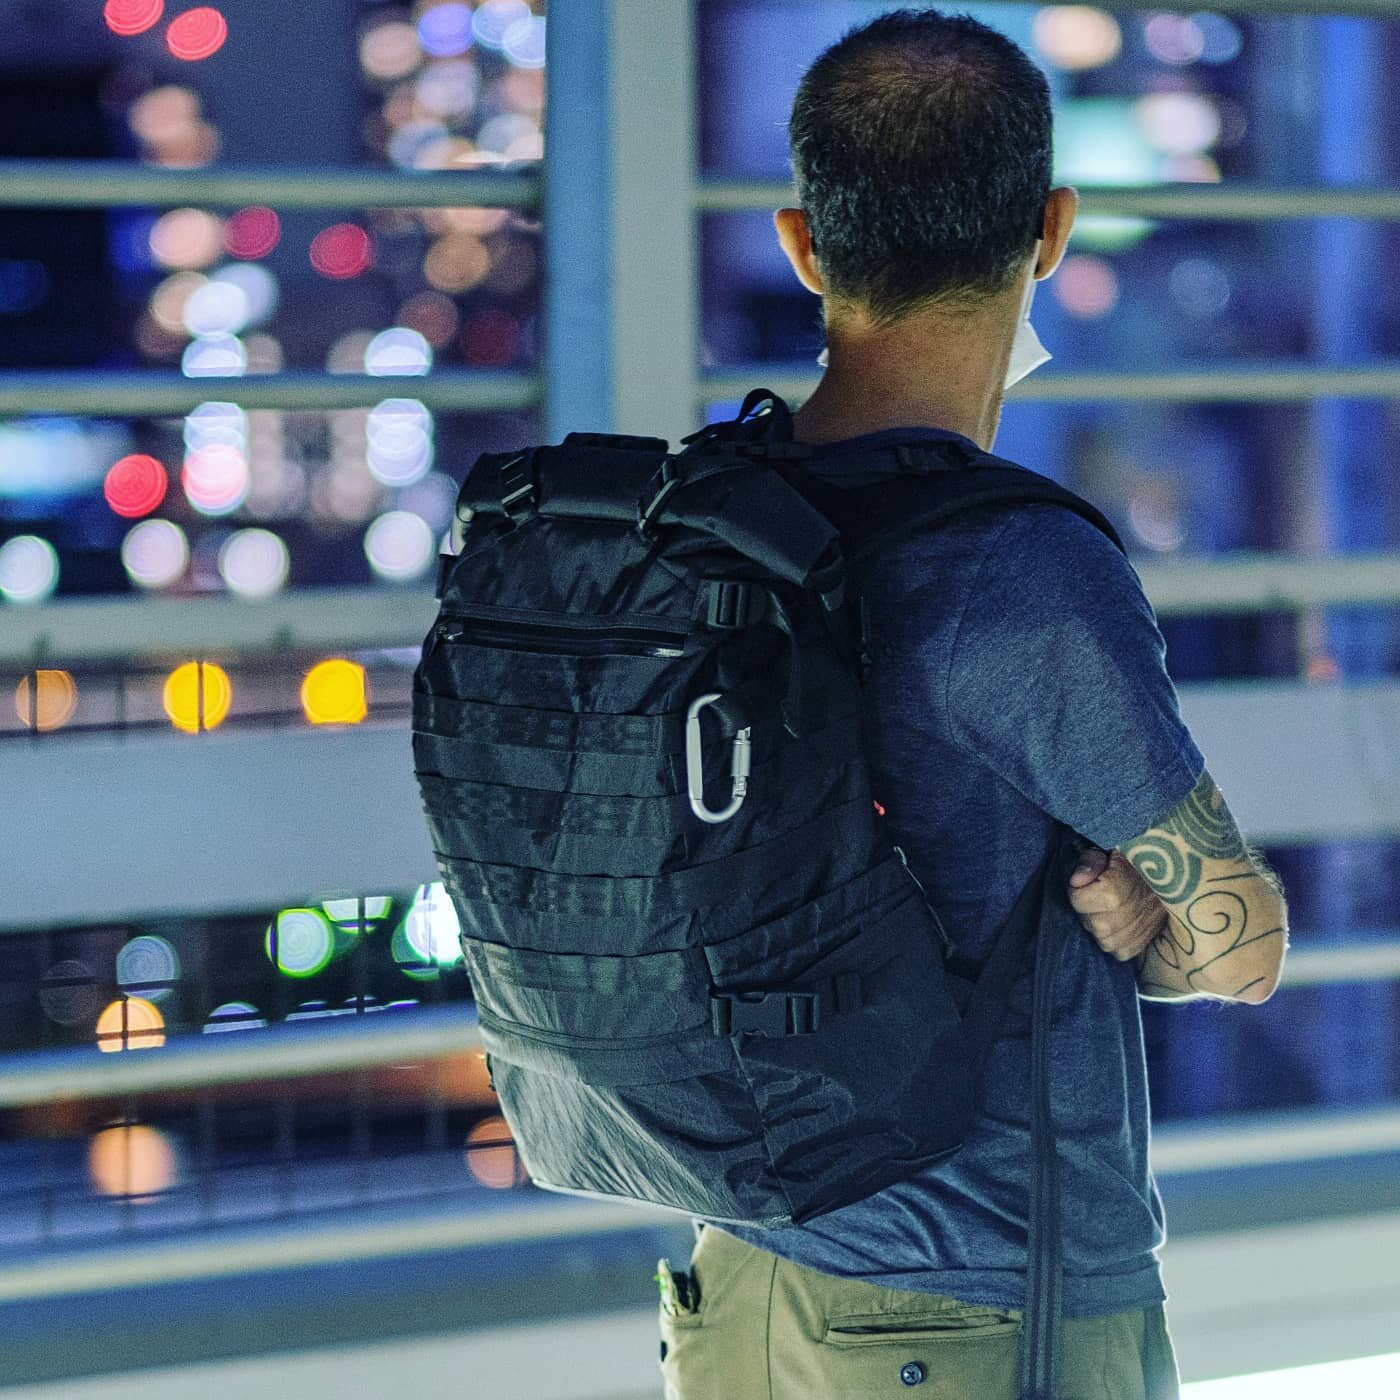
(584, 636)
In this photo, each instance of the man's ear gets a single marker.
(796, 240)
(1060, 208)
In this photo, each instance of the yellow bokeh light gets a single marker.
(133, 1023)
(495, 1163)
(197, 696)
(334, 693)
(50, 703)
(131, 1160)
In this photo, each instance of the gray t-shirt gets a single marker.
(1018, 680)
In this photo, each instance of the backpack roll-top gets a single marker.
(704, 978)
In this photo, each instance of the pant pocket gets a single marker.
(945, 1353)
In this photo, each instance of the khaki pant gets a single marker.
(765, 1328)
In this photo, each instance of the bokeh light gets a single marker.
(346, 912)
(492, 22)
(28, 569)
(197, 696)
(1221, 35)
(524, 42)
(341, 251)
(148, 966)
(1200, 287)
(216, 478)
(130, 1023)
(68, 992)
(233, 1016)
(46, 700)
(133, 1161)
(398, 350)
(304, 942)
(497, 1165)
(255, 283)
(197, 34)
(135, 485)
(447, 90)
(434, 316)
(186, 238)
(1086, 286)
(334, 692)
(431, 926)
(217, 308)
(254, 563)
(1077, 37)
(213, 422)
(214, 357)
(399, 441)
(1179, 123)
(129, 17)
(155, 553)
(445, 30)
(456, 262)
(253, 232)
(167, 304)
(491, 338)
(390, 51)
(1174, 39)
(399, 546)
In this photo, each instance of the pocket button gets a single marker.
(911, 1373)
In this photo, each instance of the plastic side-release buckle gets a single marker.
(764, 1013)
(727, 603)
(518, 491)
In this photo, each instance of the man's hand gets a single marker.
(1115, 904)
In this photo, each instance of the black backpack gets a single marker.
(705, 978)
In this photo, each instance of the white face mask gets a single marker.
(1027, 353)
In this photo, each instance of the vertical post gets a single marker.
(620, 157)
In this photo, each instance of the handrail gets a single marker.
(167, 393)
(118, 629)
(726, 195)
(1228, 382)
(374, 1039)
(100, 184)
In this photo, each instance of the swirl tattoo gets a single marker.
(1204, 823)
(1172, 874)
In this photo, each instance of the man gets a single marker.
(1018, 682)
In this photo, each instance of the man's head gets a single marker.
(921, 146)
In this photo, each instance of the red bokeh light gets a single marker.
(128, 17)
(341, 251)
(491, 338)
(135, 485)
(252, 232)
(196, 34)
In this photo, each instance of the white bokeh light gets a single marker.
(399, 442)
(398, 350)
(29, 569)
(258, 286)
(254, 563)
(216, 478)
(216, 422)
(155, 553)
(399, 545)
(212, 356)
(431, 926)
(216, 308)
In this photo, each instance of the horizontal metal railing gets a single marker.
(164, 393)
(1252, 203)
(116, 629)
(1225, 383)
(100, 184)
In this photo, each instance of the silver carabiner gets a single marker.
(695, 764)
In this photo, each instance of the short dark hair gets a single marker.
(921, 147)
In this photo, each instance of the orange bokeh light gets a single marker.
(496, 1166)
(334, 693)
(131, 1160)
(197, 696)
(132, 1023)
(51, 702)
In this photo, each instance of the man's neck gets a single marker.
(931, 369)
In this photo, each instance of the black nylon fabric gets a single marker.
(601, 915)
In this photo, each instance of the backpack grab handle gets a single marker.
(695, 764)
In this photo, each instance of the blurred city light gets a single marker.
(1076, 37)
(399, 441)
(155, 553)
(130, 17)
(398, 350)
(1086, 286)
(197, 696)
(197, 34)
(216, 422)
(399, 546)
(148, 966)
(133, 1161)
(254, 563)
(1179, 123)
(167, 304)
(304, 942)
(445, 29)
(135, 485)
(215, 478)
(497, 1166)
(214, 356)
(1174, 39)
(390, 50)
(46, 700)
(252, 233)
(431, 927)
(233, 1016)
(68, 992)
(346, 912)
(218, 308)
(341, 251)
(1222, 37)
(333, 692)
(28, 569)
(257, 285)
(492, 22)
(186, 238)
(524, 42)
(130, 1023)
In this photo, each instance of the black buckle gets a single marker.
(764, 1013)
(668, 478)
(518, 488)
(728, 603)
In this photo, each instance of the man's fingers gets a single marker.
(1092, 863)
(1099, 898)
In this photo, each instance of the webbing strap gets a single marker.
(525, 727)
(643, 897)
